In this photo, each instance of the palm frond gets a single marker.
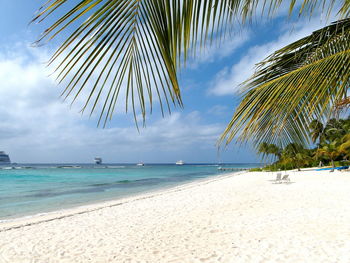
(135, 47)
(132, 45)
(295, 85)
(345, 144)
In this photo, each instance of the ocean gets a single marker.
(39, 188)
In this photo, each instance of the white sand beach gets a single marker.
(234, 218)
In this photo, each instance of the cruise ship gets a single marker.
(98, 160)
(181, 162)
(4, 158)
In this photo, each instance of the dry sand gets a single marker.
(235, 218)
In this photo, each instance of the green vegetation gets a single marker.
(255, 170)
(305, 80)
(332, 148)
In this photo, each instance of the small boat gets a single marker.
(98, 160)
(140, 164)
(180, 162)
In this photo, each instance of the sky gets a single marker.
(38, 126)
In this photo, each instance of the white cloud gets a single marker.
(37, 127)
(219, 110)
(220, 49)
(227, 80)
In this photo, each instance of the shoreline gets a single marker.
(245, 218)
(28, 220)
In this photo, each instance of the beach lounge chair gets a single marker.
(285, 178)
(278, 177)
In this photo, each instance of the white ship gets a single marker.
(4, 158)
(181, 162)
(98, 160)
(140, 164)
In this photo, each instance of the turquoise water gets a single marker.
(43, 188)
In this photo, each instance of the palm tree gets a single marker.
(317, 131)
(273, 149)
(263, 149)
(266, 149)
(330, 151)
(334, 130)
(134, 48)
(292, 87)
(344, 147)
(297, 154)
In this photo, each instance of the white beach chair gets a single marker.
(285, 178)
(278, 177)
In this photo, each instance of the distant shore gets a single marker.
(231, 218)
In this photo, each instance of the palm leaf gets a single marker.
(345, 145)
(135, 47)
(129, 47)
(293, 86)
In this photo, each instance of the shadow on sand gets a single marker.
(281, 182)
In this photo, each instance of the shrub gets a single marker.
(255, 170)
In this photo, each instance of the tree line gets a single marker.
(330, 146)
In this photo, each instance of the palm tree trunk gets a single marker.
(332, 165)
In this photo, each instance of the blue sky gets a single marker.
(37, 126)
